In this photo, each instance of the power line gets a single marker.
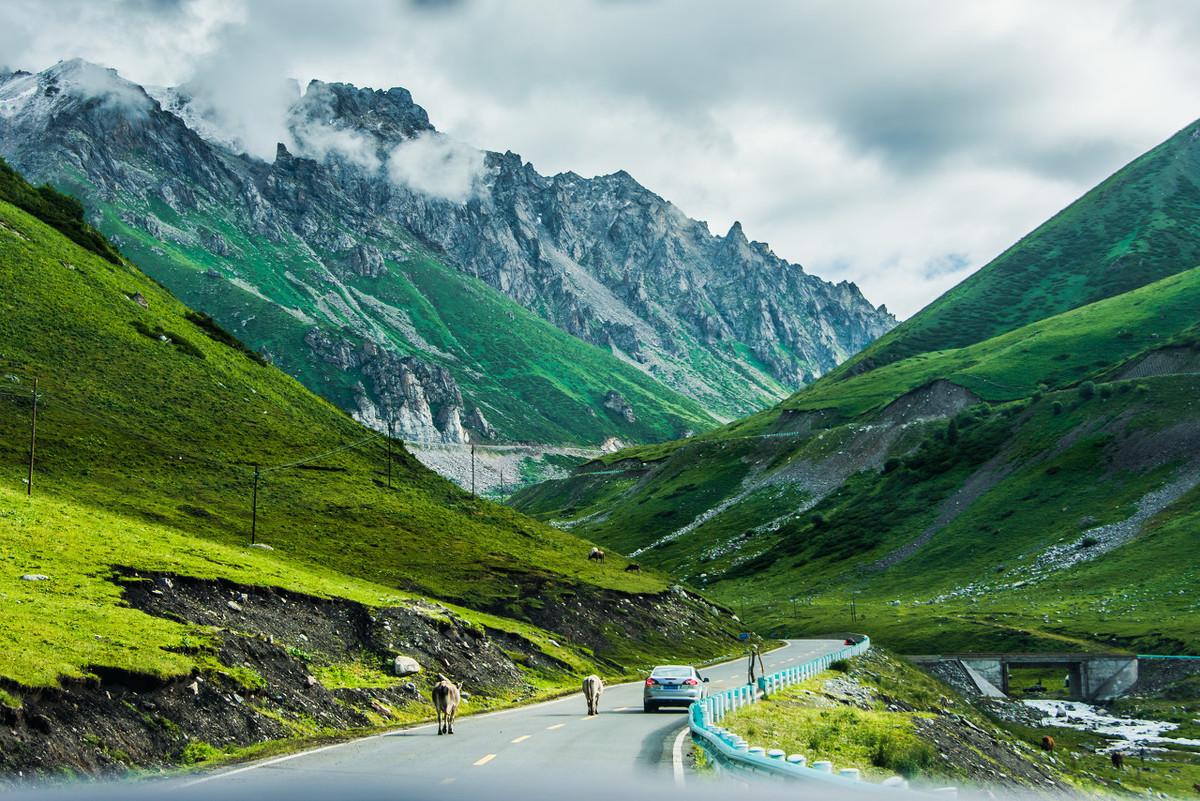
(318, 456)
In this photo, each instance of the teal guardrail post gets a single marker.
(762, 685)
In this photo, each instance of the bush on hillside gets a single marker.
(57, 210)
(214, 331)
(1087, 390)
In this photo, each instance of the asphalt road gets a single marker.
(507, 749)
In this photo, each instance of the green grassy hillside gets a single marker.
(533, 381)
(929, 506)
(1138, 226)
(150, 422)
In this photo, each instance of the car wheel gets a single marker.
(649, 707)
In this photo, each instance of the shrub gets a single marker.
(840, 665)
(902, 755)
(57, 210)
(1089, 542)
(891, 465)
(1087, 390)
(1106, 391)
(1057, 407)
(214, 331)
(197, 751)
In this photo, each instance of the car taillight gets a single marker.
(650, 682)
(692, 682)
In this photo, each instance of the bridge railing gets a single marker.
(706, 715)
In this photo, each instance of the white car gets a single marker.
(673, 685)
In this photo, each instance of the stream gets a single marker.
(1129, 735)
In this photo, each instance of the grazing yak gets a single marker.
(1118, 760)
(596, 555)
(593, 686)
(633, 567)
(445, 700)
(1047, 743)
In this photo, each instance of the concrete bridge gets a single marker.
(1092, 677)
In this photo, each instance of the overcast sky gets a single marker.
(899, 145)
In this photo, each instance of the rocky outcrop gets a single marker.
(420, 401)
(618, 404)
(479, 424)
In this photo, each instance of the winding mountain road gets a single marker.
(506, 748)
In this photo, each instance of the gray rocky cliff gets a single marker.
(365, 179)
(420, 401)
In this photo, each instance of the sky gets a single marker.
(899, 145)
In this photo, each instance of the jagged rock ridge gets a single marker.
(366, 181)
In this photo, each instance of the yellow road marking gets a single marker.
(484, 760)
(620, 709)
(555, 726)
(522, 738)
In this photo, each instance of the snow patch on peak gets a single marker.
(39, 95)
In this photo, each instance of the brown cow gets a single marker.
(596, 555)
(1118, 760)
(633, 567)
(1047, 743)
(446, 697)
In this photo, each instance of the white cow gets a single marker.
(593, 686)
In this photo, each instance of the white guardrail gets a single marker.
(707, 714)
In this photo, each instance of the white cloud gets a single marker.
(437, 165)
(867, 141)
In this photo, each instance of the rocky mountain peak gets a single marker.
(70, 87)
(387, 117)
(362, 172)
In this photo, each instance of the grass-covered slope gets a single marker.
(150, 413)
(533, 381)
(991, 496)
(1136, 227)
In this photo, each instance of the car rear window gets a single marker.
(672, 673)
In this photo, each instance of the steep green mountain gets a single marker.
(993, 495)
(128, 573)
(1139, 225)
(451, 294)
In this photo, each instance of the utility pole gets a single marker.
(32, 438)
(472, 469)
(254, 508)
(389, 454)
(501, 481)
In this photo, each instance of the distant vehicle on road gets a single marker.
(673, 685)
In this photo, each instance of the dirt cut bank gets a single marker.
(279, 665)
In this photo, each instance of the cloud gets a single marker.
(867, 141)
(437, 165)
(311, 133)
(90, 81)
